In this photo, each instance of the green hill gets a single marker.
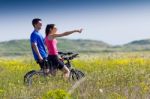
(14, 47)
(22, 47)
(82, 45)
(138, 45)
(140, 42)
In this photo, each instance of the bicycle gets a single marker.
(75, 74)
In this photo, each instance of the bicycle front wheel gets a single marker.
(76, 74)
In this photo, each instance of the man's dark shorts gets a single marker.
(43, 64)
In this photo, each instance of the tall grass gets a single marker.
(108, 76)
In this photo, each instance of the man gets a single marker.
(37, 44)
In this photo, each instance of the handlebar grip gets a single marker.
(70, 57)
(69, 53)
(60, 52)
(65, 53)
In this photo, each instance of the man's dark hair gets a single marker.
(35, 21)
(48, 27)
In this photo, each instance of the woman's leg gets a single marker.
(66, 72)
(60, 65)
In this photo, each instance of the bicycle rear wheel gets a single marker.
(34, 77)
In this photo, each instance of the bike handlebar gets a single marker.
(65, 53)
(68, 55)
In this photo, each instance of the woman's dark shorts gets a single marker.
(55, 61)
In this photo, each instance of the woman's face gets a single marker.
(54, 30)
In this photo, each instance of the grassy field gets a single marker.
(108, 76)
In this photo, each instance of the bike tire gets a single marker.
(29, 77)
(76, 74)
(80, 73)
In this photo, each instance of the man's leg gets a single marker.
(43, 66)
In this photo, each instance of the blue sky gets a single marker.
(112, 21)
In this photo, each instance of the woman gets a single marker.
(51, 43)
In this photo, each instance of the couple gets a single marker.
(38, 45)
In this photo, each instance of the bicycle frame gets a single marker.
(66, 58)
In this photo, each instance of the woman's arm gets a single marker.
(65, 33)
